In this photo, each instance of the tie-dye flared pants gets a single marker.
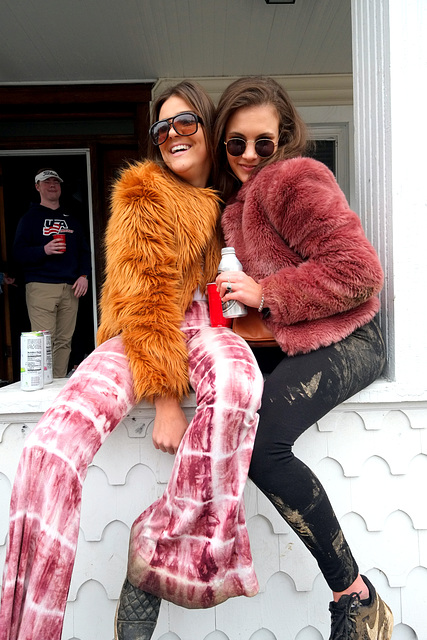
(191, 546)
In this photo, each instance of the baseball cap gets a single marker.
(47, 173)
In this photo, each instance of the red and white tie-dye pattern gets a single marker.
(191, 546)
(46, 498)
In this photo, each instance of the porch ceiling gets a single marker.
(120, 40)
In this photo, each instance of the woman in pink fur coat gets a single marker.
(310, 271)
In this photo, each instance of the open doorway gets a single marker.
(17, 192)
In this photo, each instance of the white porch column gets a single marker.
(390, 107)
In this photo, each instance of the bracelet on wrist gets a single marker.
(261, 305)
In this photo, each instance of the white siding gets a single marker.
(372, 459)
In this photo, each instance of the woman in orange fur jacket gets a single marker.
(191, 546)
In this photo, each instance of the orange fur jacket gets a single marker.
(162, 242)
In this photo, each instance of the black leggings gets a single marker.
(299, 390)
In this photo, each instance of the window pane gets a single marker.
(324, 151)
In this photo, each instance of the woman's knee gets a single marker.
(242, 382)
(270, 458)
(227, 368)
(258, 467)
(261, 471)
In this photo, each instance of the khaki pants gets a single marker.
(53, 307)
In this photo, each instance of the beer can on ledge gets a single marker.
(229, 262)
(31, 360)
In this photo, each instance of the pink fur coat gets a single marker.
(294, 233)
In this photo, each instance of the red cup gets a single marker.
(215, 308)
(61, 236)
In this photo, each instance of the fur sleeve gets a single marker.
(140, 295)
(338, 268)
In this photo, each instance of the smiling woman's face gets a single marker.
(187, 156)
(251, 124)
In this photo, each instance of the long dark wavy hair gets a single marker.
(248, 92)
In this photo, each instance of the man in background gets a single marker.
(55, 269)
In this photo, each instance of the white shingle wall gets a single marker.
(373, 463)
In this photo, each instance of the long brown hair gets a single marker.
(199, 101)
(248, 92)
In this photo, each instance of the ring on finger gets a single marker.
(229, 289)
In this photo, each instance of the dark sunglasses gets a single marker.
(185, 124)
(264, 147)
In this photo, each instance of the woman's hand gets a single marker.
(170, 424)
(243, 288)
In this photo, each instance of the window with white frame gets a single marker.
(332, 148)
